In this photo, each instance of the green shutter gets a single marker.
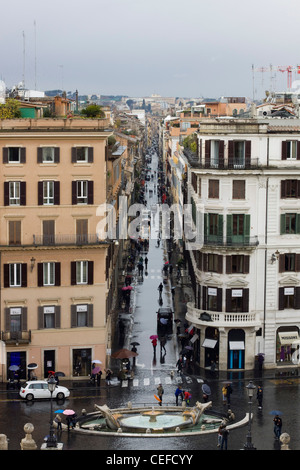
(297, 223)
(220, 227)
(229, 229)
(282, 224)
(246, 229)
(205, 228)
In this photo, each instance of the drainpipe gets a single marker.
(266, 242)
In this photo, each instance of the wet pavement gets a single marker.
(281, 392)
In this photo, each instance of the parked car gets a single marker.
(164, 319)
(37, 389)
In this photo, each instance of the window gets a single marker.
(237, 264)
(213, 262)
(48, 232)
(213, 228)
(289, 297)
(289, 224)
(14, 155)
(212, 299)
(49, 317)
(48, 154)
(239, 154)
(213, 189)
(82, 192)
(81, 315)
(214, 153)
(15, 275)
(14, 193)
(81, 231)
(238, 189)
(82, 272)
(238, 229)
(291, 149)
(14, 232)
(289, 262)
(82, 154)
(48, 193)
(237, 300)
(15, 321)
(48, 274)
(290, 189)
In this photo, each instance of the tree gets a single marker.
(93, 111)
(10, 109)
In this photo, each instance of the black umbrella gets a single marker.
(135, 343)
(32, 365)
(60, 374)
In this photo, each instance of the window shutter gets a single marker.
(40, 280)
(90, 319)
(24, 319)
(73, 155)
(282, 224)
(40, 318)
(56, 193)
(228, 300)
(298, 150)
(297, 262)
(6, 275)
(74, 192)
(40, 155)
(24, 275)
(5, 155)
(228, 265)
(205, 262)
(90, 154)
(90, 192)
(23, 155)
(248, 154)
(283, 150)
(73, 273)
(246, 264)
(57, 274)
(281, 299)
(204, 297)
(230, 153)
(245, 300)
(221, 154)
(247, 227)
(229, 228)
(282, 263)
(298, 223)
(40, 193)
(283, 189)
(220, 264)
(219, 300)
(57, 316)
(297, 298)
(207, 153)
(6, 193)
(7, 319)
(56, 154)
(23, 193)
(90, 272)
(220, 227)
(73, 316)
(205, 228)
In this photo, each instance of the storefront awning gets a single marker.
(288, 337)
(236, 345)
(209, 343)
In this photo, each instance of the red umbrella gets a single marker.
(153, 337)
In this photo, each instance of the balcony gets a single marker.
(201, 318)
(234, 241)
(16, 337)
(57, 240)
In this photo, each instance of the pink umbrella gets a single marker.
(68, 412)
(153, 337)
(96, 370)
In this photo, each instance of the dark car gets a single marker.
(164, 319)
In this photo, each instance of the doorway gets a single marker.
(49, 362)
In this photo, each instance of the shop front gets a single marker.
(287, 345)
(211, 348)
(236, 349)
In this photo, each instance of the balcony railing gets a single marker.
(14, 337)
(221, 319)
(54, 240)
(230, 241)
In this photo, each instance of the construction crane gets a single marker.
(280, 68)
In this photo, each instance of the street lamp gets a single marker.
(250, 389)
(51, 440)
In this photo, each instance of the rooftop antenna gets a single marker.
(23, 59)
(35, 85)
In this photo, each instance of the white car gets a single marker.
(37, 389)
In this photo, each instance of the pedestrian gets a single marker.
(277, 426)
(163, 344)
(160, 392)
(260, 361)
(178, 393)
(57, 420)
(179, 365)
(186, 397)
(220, 435)
(108, 376)
(224, 393)
(160, 288)
(146, 263)
(133, 349)
(228, 393)
(259, 396)
(99, 374)
(224, 438)
(154, 344)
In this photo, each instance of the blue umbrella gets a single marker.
(275, 412)
(59, 411)
(14, 368)
(206, 389)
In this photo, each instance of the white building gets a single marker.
(245, 188)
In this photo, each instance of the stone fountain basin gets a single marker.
(162, 422)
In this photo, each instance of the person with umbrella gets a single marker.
(178, 393)
(160, 392)
(108, 376)
(259, 396)
(277, 425)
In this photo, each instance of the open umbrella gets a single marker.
(68, 412)
(124, 354)
(32, 365)
(135, 343)
(13, 368)
(60, 374)
(59, 411)
(153, 337)
(188, 347)
(96, 361)
(275, 413)
(206, 389)
(96, 370)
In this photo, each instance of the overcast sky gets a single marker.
(189, 48)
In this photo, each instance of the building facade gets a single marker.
(53, 264)
(243, 186)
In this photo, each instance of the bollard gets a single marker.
(28, 443)
(3, 442)
(285, 439)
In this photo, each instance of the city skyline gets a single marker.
(137, 48)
